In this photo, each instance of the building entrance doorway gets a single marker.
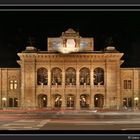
(42, 100)
(99, 100)
(70, 101)
(84, 101)
(127, 102)
(57, 101)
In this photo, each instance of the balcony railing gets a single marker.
(99, 86)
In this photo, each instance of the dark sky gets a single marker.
(17, 27)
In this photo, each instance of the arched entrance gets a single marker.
(84, 101)
(42, 100)
(99, 100)
(57, 101)
(70, 101)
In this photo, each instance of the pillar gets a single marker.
(119, 100)
(49, 92)
(77, 90)
(91, 87)
(63, 85)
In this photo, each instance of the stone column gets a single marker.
(49, 91)
(63, 86)
(106, 97)
(34, 85)
(118, 86)
(22, 85)
(49, 77)
(91, 87)
(77, 90)
(63, 101)
(77, 102)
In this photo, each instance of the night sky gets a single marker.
(17, 27)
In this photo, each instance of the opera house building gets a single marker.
(70, 75)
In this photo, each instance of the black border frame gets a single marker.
(89, 5)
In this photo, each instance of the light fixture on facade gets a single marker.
(44, 98)
(136, 101)
(56, 99)
(4, 99)
(84, 99)
(136, 98)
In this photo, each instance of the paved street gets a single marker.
(70, 121)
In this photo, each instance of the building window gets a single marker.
(70, 78)
(42, 76)
(98, 76)
(84, 76)
(13, 84)
(56, 76)
(127, 84)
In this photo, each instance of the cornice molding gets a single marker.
(70, 57)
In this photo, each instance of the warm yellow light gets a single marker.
(136, 98)
(4, 99)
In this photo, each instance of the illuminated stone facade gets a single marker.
(70, 75)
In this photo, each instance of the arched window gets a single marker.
(42, 76)
(99, 100)
(84, 76)
(98, 76)
(70, 78)
(56, 76)
(70, 101)
(84, 101)
(57, 100)
(42, 100)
